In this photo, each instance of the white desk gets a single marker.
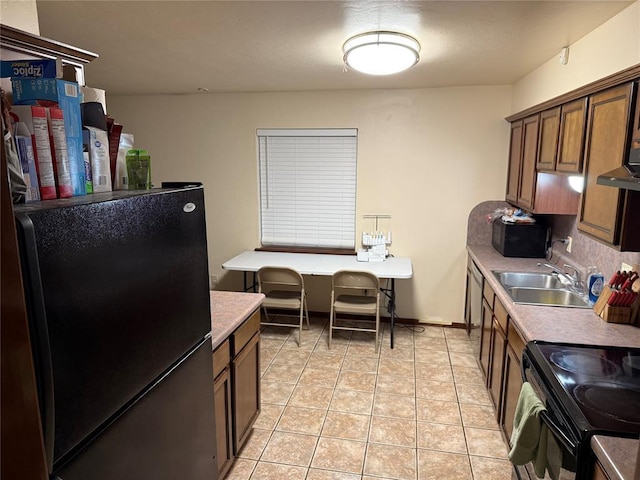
(325, 265)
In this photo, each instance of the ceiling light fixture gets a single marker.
(381, 53)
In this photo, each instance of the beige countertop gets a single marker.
(572, 325)
(229, 310)
(616, 455)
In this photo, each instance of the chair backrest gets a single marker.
(353, 279)
(279, 277)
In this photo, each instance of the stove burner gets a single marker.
(584, 363)
(612, 400)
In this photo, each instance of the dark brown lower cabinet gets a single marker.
(485, 339)
(498, 351)
(236, 367)
(223, 408)
(245, 381)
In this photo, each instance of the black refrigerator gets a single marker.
(117, 294)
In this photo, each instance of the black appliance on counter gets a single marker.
(588, 390)
(525, 240)
(117, 295)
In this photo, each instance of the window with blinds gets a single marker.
(308, 187)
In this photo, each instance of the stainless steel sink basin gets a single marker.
(539, 288)
(529, 279)
(547, 296)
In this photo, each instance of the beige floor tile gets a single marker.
(366, 346)
(441, 437)
(396, 385)
(290, 449)
(399, 352)
(480, 416)
(275, 471)
(471, 375)
(315, 474)
(431, 343)
(241, 469)
(461, 346)
(437, 411)
(328, 361)
(320, 377)
(339, 455)
(255, 444)
(456, 333)
(468, 393)
(433, 357)
(485, 443)
(301, 420)
(393, 366)
(390, 461)
(492, 468)
(445, 391)
(360, 363)
(431, 331)
(267, 354)
(396, 406)
(311, 396)
(352, 401)
(462, 359)
(277, 393)
(436, 373)
(282, 373)
(292, 357)
(349, 426)
(393, 431)
(269, 416)
(433, 465)
(272, 343)
(364, 382)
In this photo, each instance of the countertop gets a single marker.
(616, 455)
(573, 325)
(229, 310)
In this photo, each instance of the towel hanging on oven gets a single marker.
(530, 435)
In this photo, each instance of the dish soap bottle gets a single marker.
(595, 284)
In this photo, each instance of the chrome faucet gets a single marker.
(573, 279)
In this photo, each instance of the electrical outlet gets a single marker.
(569, 243)
(626, 267)
(213, 280)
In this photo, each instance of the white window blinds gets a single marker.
(308, 187)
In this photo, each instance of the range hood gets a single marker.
(627, 176)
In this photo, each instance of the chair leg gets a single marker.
(331, 321)
(377, 329)
(306, 310)
(300, 325)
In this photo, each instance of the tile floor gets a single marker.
(417, 412)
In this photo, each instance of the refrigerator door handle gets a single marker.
(39, 332)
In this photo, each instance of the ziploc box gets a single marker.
(49, 92)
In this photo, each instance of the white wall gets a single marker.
(425, 156)
(612, 47)
(21, 14)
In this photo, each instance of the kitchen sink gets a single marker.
(529, 279)
(540, 288)
(547, 296)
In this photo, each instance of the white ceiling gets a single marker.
(158, 47)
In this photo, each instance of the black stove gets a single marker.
(588, 390)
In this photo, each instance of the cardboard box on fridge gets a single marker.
(49, 92)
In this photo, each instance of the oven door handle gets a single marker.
(558, 433)
(544, 415)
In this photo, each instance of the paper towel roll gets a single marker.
(90, 94)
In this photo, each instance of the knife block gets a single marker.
(611, 314)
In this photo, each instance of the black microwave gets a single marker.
(526, 240)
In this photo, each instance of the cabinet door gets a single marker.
(527, 190)
(606, 147)
(548, 140)
(485, 339)
(510, 390)
(572, 133)
(224, 436)
(498, 351)
(635, 134)
(515, 158)
(246, 391)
